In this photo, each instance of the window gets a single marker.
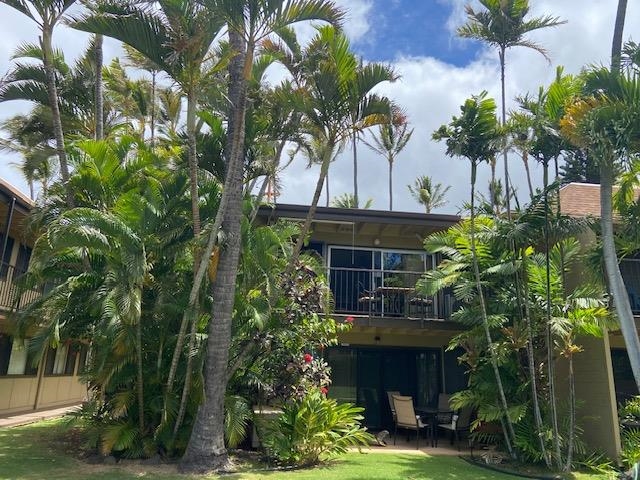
(84, 358)
(22, 261)
(56, 360)
(6, 259)
(5, 353)
(70, 364)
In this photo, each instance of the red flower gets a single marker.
(324, 390)
(349, 319)
(307, 358)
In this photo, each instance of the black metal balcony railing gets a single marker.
(10, 293)
(384, 294)
(630, 269)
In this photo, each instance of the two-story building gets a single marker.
(373, 260)
(27, 382)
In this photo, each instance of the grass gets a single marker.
(47, 450)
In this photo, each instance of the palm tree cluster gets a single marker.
(149, 229)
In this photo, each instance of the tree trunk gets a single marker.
(206, 450)
(324, 171)
(390, 184)
(572, 416)
(98, 40)
(52, 91)
(616, 43)
(485, 320)
(140, 381)
(327, 192)
(525, 161)
(507, 190)
(154, 74)
(549, 335)
(193, 161)
(614, 277)
(355, 169)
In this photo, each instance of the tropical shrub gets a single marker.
(313, 429)
(629, 414)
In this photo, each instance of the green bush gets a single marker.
(312, 429)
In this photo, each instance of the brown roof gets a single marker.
(583, 199)
(8, 191)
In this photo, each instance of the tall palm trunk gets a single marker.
(152, 126)
(614, 277)
(525, 161)
(616, 43)
(140, 375)
(612, 268)
(507, 190)
(354, 141)
(206, 449)
(510, 434)
(324, 170)
(52, 91)
(98, 41)
(390, 184)
(572, 416)
(193, 160)
(537, 416)
(549, 337)
(327, 189)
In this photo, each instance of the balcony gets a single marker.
(385, 294)
(9, 290)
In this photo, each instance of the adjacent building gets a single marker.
(27, 382)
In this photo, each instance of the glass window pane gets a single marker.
(350, 258)
(406, 262)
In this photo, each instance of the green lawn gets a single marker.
(44, 451)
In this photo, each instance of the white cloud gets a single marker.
(431, 92)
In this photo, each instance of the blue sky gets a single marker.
(413, 28)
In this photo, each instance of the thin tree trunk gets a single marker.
(390, 185)
(534, 377)
(186, 387)
(140, 382)
(154, 74)
(52, 91)
(324, 170)
(327, 192)
(98, 40)
(616, 43)
(206, 450)
(525, 161)
(549, 336)
(193, 161)
(31, 190)
(614, 277)
(572, 416)
(507, 189)
(485, 320)
(276, 163)
(355, 169)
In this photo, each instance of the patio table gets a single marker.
(430, 414)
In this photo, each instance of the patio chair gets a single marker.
(390, 394)
(445, 413)
(460, 423)
(406, 418)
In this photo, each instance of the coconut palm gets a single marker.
(476, 136)
(502, 24)
(249, 22)
(391, 138)
(428, 193)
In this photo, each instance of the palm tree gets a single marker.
(46, 14)
(175, 37)
(249, 22)
(502, 24)
(428, 194)
(391, 139)
(476, 136)
(347, 200)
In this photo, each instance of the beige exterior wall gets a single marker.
(595, 393)
(389, 338)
